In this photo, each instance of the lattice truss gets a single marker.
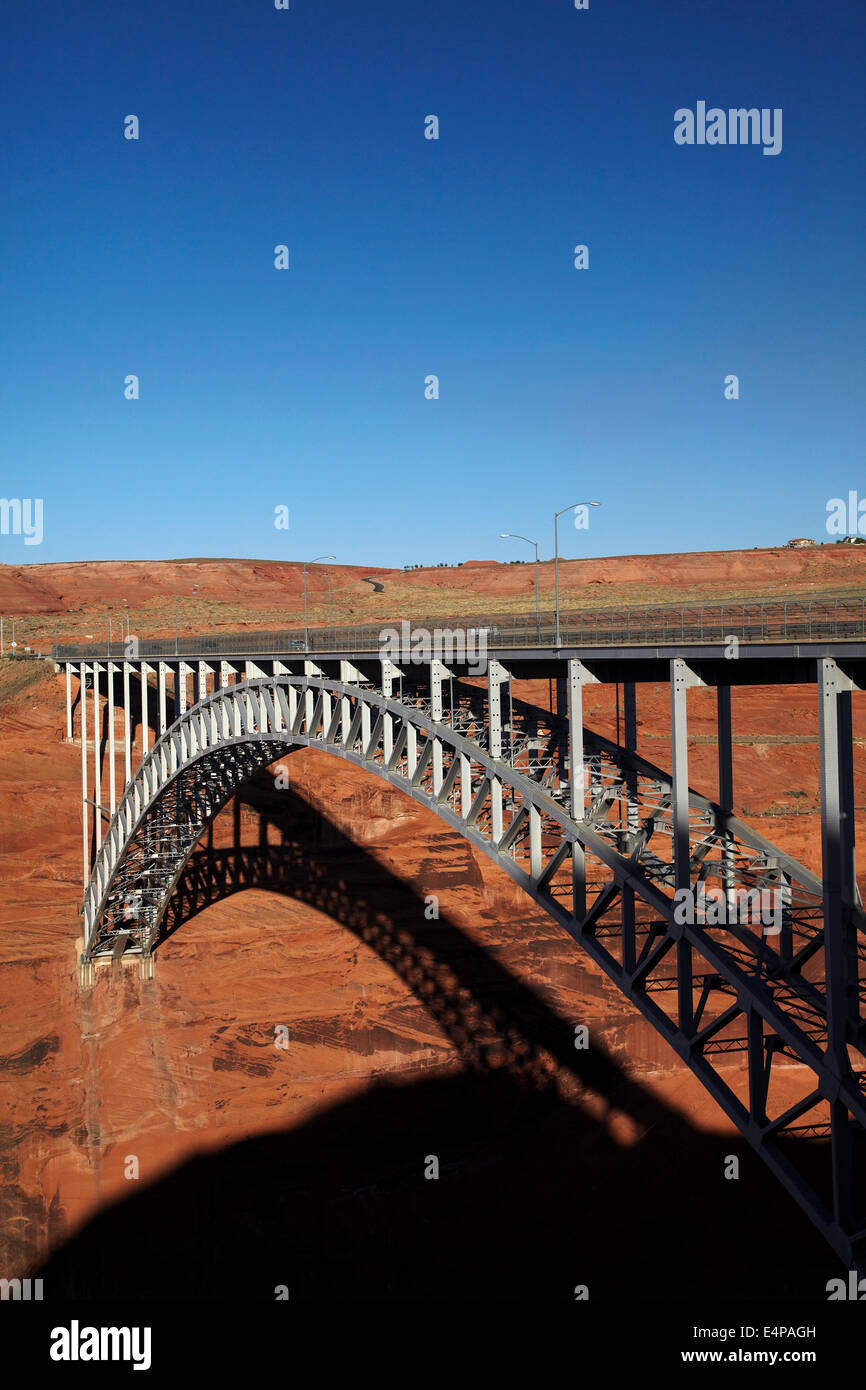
(743, 1003)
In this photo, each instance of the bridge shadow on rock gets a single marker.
(556, 1169)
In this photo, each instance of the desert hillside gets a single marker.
(73, 601)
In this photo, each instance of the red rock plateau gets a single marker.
(70, 601)
(408, 1036)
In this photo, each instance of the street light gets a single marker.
(512, 535)
(556, 517)
(310, 562)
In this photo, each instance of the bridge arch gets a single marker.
(207, 753)
(599, 857)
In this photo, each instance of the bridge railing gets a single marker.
(771, 620)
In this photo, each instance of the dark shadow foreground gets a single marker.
(533, 1198)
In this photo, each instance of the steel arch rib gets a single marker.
(252, 723)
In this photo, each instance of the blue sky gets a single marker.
(305, 387)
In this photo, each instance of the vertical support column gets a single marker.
(497, 676)
(437, 672)
(840, 945)
(181, 671)
(726, 767)
(726, 785)
(630, 720)
(189, 739)
(389, 673)
(846, 799)
(127, 728)
(629, 701)
(576, 676)
(309, 697)
(279, 670)
(679, 683)
(69, 701)
(112, 752)
(786, 936)
(756, 1067)
(576, 769)
(145, 717)
(162, 668)
(561, 688)
(97, 770)
(681, 678)
(346, 678)
(411, 750)
(326, 715)
(535, 857)
(629, 944)
(225, 718)
(465, 785)
(85, 818)
(294, 701)
(838, 858)
(841, 1127)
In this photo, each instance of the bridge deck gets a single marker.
(756, 663)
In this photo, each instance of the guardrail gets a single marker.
(794, 620)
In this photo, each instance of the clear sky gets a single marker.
(305, 387)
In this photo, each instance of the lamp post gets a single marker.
(556, 517)
(512, 535)
(310, 562)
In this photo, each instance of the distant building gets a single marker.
(798, 541)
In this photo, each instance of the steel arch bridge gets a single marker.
(609, 845)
